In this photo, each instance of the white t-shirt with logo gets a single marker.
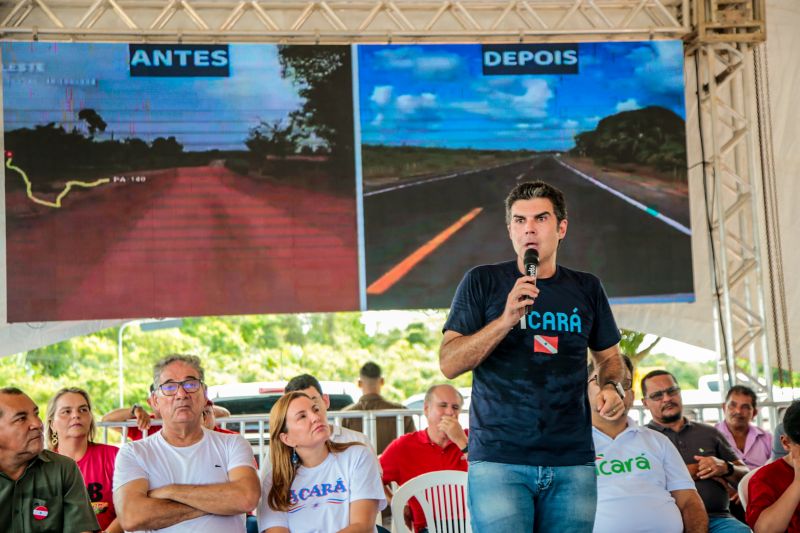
(636, 472)
(321, 496)
(203, 463)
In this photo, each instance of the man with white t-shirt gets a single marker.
(642, 481)
(184, 478)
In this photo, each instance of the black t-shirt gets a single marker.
(701, 439)
(529, 403)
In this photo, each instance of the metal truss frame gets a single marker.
(722, 34)
(344, 21)
(735, 211)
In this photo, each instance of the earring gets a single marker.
(295, 458)
(54, 440)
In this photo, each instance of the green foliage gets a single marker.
(687, 373)
(405, 161)
(322, 75)
(632, 345)
(654, 137)
(272, 138)
(235, 349)
(73, 153)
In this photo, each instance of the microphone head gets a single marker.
(531, 257)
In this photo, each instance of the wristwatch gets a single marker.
(617, 386)
(730, 468)
(133, 409)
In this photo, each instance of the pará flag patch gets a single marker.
(544, 344)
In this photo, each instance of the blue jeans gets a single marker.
(726, 524)
(507, 498)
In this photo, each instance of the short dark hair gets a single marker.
(370, 370)
(625, 358)
(11, 391)
(652, 374)
(537, 189)
(743, 390)
(302, 382)
(791, 422)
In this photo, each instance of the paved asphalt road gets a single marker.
(633, 253)
(189, 241)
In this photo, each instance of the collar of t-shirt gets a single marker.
(424, 438)
(40, 457)
(545, 281)
(632, 427)
(663, 429)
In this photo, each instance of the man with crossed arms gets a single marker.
(184, 478)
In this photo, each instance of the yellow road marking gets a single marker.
(402, 268)
(64, 193)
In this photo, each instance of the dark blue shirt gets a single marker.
(529, 403)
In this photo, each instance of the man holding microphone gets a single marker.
(525, 338)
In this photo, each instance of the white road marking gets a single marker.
(636, 203)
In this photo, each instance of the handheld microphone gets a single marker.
(531, 264)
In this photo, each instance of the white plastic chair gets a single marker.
(743, 490)
(443, 498)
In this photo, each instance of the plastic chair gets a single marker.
(443, 498)
(743, 487)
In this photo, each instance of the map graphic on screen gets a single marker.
(178, 180)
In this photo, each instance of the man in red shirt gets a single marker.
(774, 490)
(442, 446)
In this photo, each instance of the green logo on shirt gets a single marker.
(617, 466)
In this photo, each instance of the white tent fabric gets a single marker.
(691, 323)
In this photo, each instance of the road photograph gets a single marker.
(445, 136)
(178, 180)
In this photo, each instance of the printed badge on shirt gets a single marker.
(40, 510)
(545, 344)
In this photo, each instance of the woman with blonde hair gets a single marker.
(70, 431)
(316, 484)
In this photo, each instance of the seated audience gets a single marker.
(316, 484)
(210, 418)
(149, 422)
(308, 384)
(774, 490)
(40, 490)
(144, 420)
(777, 446)
(640, 474)
(184, 478)
(711, 461)
(70, 430)
(751, 443)
(441, 446)
(370, 381)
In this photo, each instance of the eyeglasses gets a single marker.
(170, 388)
(658, 395)
(627, 384)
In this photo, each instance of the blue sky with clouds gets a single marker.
(437, 95)
(202, 113)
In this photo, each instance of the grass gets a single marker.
(384, 163)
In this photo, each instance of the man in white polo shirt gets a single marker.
(642, 482)
(185, 478)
